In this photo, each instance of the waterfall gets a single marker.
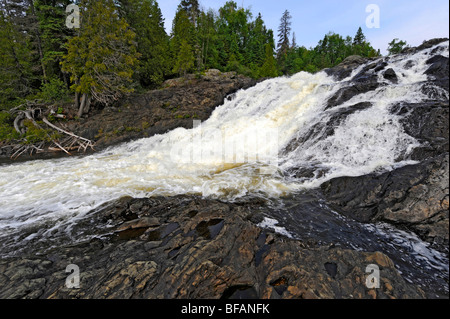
(256, 144)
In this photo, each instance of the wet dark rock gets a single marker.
(240, 293)
(428, 122)
(346, 93)
(409, 64)
(365, 81)
(346, 68)
(323, 130)
(439, 71)
(331, 269)
(439, 66)
(390, 75)
(430, 43)
(239, 261)
(414, 197)
(210, 230)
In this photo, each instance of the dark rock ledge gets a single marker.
(415, 197)
(188, 247)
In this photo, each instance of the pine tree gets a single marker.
(54, 35)
(269, 68)
(192, 9)
(182, 31)
(207, 37)
(185, 59)
(396, 46)
(359, 41)
(360, 38)
(284, 32)
(294, 41)
(16, 76)
(259, 36)
(233, 33)
(145, 18)
(102, 57)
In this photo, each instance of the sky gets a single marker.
(410, 20)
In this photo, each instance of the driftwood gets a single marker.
(83, 143)
(68, 142)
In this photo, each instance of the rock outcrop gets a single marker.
(192, 248)
(176, 104)
(414, 197)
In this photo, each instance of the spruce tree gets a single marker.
(360, 38)
(182, 31)
(207, 37)
(185, 59)
(359, 41)
(269, 68)
(54, 34)
(396, 46)
(146, 20)
(284, 32)
(259, 36)
(233, 33)
(192, 9)
(294, 41)
(16, 73)
(101, 59)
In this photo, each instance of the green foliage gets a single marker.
(53, 33)
(53, 91)
(269, 68)
(101, 59)
(16, 72)
(145, 18)
(122, 45)
(35, 134)
(32, 135)
(396, 46)
(360, 38)
(185, 59)
(7, 131)
(284, 32)
(182, 32)
(329, 52)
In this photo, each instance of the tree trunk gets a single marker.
(66, 81)
(39, 41)
(77, 100)
(87, 107)
(82, 106)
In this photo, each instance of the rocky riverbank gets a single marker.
(191, 247)
(415, 197)
(188, 247)
(176, 104)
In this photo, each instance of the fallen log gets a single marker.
(71, 142)
(64, 131)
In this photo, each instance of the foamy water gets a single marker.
(237, 152)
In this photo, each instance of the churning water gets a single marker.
(239, 151)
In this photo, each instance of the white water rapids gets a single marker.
(250, 127)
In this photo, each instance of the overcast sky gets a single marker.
(411, 20)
